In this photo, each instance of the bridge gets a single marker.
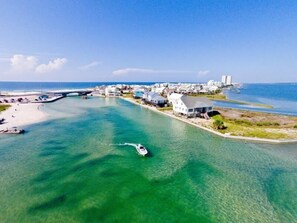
(80, 92)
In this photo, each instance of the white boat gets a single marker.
(141, 150)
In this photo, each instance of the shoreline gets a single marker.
(263, 140)
(20, 115)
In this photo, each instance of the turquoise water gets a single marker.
(66, 170)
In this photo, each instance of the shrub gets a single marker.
(267, 124)
(242, 121)
(218, 124)
(295, 126)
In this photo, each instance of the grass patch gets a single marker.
(218, 97)
(4, 107)
(261, 133)
(267, 124)
(295, 127)
(217, 117)
(127, 95)
(165, 108)
(246, 128)
(242, 122)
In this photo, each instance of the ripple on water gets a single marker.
(67, 170)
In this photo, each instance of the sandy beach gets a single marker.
(19, 115)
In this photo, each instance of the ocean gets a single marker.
(72, 168)
(46, 86)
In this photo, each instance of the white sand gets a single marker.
(19, 115)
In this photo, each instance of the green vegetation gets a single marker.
(217, 97)
(127, 95)
(249, 123)
(169, 108)
(4, 107)
(295, 126)
(218, 124)
(243, 127)
(268, 124)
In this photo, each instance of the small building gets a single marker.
(112, 91)
(138, 94)
(154, 98)
(192, 106)
(174, 97)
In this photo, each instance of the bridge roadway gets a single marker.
(80, 92)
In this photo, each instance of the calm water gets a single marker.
(283, 97)
(66, 170)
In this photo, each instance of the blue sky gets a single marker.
(148, 40)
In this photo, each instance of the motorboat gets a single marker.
(141, 150)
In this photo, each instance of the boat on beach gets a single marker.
(12, 131)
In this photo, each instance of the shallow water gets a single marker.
(66, 170)
(281, 96)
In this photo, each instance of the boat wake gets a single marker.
(124, 144)
(139, 148)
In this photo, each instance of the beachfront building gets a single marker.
(158, 90)
(112, 91)
(192, 106)
(174, 97)
(154, 98)
(138, 94)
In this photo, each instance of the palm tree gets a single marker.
(218, 124)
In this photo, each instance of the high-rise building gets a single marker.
(224, 77)
(229, 80)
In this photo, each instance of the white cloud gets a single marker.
(126, 71)
(55, 64)
(22, 63)
(90, 65)
(203, 73)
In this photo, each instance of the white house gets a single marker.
(154, 98)
(192, 106)
(174, 97)
(111, 91)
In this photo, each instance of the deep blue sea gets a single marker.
(44, 86)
